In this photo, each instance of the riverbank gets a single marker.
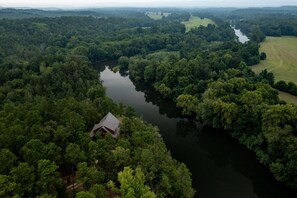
(220, 166)
(233, 100)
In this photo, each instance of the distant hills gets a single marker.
(18, 13)
(283, 9)
(11, 13)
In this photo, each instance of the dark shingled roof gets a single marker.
(109, 121)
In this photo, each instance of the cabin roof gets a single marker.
(109, 121)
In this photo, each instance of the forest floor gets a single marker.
(281, 58)
(196, 22)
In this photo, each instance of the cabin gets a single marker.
(108, 124)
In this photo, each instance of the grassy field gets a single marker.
(157, 15)
(281, 58)
(196, 22)
(287, 97)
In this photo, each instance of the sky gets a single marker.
(145, 3)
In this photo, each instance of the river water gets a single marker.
(220, 166)
(241, 37)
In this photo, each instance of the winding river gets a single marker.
(220, 166)
(241, 37)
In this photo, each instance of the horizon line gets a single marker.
(130, 6)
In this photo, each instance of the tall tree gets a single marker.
(24, 177)
(7, 161)
(74, 154)
(48, 177)
(132, 184)
(89, 175)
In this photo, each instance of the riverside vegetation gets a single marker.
(213, 82)
(51, 97)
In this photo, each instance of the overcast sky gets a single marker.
(145, 3)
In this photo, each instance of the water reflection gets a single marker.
(166, 107)
(221, 167)
(185, 127)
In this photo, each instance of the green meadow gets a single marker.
(289, 98)
(157, 15)
(281, 61)
(196, 22)
(281, 58)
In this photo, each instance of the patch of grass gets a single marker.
(41, 26)
(196, 22)
(157, 15)
(289, 98)
(281, 58)
(160, 55)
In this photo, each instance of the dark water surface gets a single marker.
(220, 166)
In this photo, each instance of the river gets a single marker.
(241, 37)
(220, 166)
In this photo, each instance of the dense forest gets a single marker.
(214, 83)
(51, 96)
